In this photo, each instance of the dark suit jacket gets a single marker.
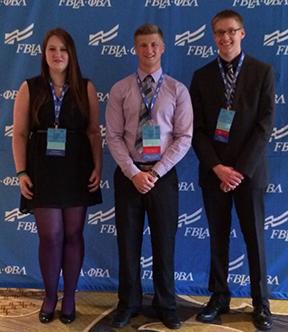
(251, 127)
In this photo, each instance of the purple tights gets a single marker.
(61, 247)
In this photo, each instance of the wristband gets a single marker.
(154, 173)
(21, 173)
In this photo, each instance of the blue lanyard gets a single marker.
(149, 106)
(230, 90)
(57, 101)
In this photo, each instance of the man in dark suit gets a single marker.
(233, 101)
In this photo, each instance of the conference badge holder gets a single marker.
(151, 141)
(224, 123)
(56, 142)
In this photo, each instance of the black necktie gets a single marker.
(144, 113)
(230, 88)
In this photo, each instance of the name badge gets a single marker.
(224, 123)
(151, 142)
(56, 142)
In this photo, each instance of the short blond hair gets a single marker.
(148, 29)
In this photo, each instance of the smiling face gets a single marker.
(149, 49)
(56, 55)
(228, 34)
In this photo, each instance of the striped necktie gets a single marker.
(230, 88)
(144, 113)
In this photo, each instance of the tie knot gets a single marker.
(229, 67)
(147, 85)
(148, 79)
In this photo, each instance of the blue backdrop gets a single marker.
(103, 32)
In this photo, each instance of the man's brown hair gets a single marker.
(227, 14)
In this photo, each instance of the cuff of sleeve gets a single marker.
(131, 171)
(159, 169)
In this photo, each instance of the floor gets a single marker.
(19, 312)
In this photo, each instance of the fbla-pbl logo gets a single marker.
(148, 274)
(102, 97)
(17, 36)
(14, 215)
(76, 4)
(250, 4)
(186, 186)
(9, 94)
(100, 38)
(278, 134)
(200, 233)
(13, 3)
(22, 225)
(273, 188)
(14, 270)
(236, 278)
(100, 217)
(10, 181)
(280, 99)
(188, 37)
(95, 272)
(276, 38)
(162, 4)
(8, 131)
(272, 221)
(185, 219)
(244, 279)
(103, 135)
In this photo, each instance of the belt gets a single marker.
(145, 166)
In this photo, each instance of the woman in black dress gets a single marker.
(57, 151)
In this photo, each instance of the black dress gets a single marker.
(59, 182)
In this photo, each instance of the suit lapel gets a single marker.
(218, 85)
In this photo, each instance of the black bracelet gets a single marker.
(154, 173)
(21, 173)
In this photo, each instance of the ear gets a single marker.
(243, 33)
(163, 48)
(136, 49)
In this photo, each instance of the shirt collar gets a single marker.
(234, 62)
(156, 74)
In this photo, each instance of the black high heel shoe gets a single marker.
(67, 319)
(46, 317)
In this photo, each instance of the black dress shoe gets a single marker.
(215, 307)
(170, 319)
(262, 318)
(67, 319)
(46, 317)
(122, 317)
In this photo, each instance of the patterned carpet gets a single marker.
(19, 310)
(238, 320)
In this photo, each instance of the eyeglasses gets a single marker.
(230, 32)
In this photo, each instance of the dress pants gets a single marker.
(249, 205)
(161, 206)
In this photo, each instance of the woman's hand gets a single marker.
(26, 186)
(94, 181)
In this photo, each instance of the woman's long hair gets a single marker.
(78, 88)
